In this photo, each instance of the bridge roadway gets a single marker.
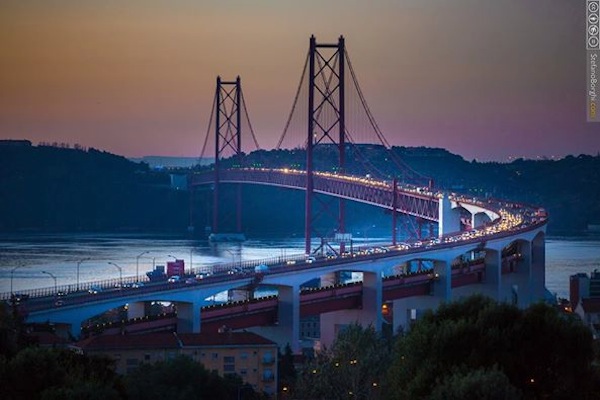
(411, 200)
(497, 224)
(313, 301)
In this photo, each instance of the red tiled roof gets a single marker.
(145, 341)
(591, 305)
(171, 341)
(223, 339)
(48, 339)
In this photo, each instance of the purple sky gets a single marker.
(486, 79)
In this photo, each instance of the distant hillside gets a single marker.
(48, 188)
(569, 188)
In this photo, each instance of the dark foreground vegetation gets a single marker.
(28, 372)
(47, 188)
(471, 349)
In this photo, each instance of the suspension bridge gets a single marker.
(489, 246)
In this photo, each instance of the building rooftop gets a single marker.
(223, 339)
(591, 305)
(145, 341)
(171, 340)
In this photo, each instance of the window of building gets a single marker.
(244, 355)
(267, 375)
(229, 368)
(268, 358)
(215, 356)
(146, 357)
(229, 364)
(243, 371)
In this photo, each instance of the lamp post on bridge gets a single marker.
(53, 277)
(120, 273)
(78, 265)
(137, 265)
(12, 272)
(232, 256)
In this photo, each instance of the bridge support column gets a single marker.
(372, 300)
(493, 275)
(442, 283)
(520, 280)
(136, 310)
(478, 219)
(370, 314)
(449, 219)
(188, 317)
(410, 309)
(538, 267)
(287, 330)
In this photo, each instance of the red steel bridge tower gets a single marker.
(326, 123)
(228, 139)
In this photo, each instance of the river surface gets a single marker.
(59, 255)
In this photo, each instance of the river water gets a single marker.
(59, 255)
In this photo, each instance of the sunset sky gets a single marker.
(486, 79)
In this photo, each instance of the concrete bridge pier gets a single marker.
(493, 284)
(537, 286)
(479, 219)
(493, 275)
(188, 316)
(449, 218)
(407, 311)
(516, 285)
(287, 329)
(370, 313)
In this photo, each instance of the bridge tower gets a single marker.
(326, 123)
(228, 138)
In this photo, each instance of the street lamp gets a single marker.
(53, 277)
(78, 265)
(120, 273)
(232, 255)
(12, 272)
(137, 265)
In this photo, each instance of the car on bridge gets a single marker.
(202, 275)
(94, 290)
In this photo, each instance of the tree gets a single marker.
(354, 366)
(479, 384)
(182, 378)
(36, 373)
(540, 352)
(286, 372)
